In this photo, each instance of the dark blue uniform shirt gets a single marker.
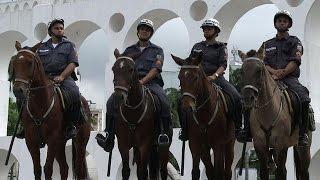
(214, 56)
(151, 57)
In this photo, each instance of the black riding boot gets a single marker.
(243, 135)
(73, 115)
(107, 143)
(303, 136)
(165, 131)
(183, 134)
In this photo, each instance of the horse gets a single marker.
(255, 75)
(136, 121)
(208, 124)
(43, 117)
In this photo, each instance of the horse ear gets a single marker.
(116, 53)
(178, 60)
(197, 57)
(261, 52)
(36, 47)
(18, 46)
(242, 55)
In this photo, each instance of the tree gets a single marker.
(13, 115)
(235, 78)
(173, 95)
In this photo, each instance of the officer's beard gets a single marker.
(144, 39)
(282, 30)
(58, 37)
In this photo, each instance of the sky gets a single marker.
(249, 32)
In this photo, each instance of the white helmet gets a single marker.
(211, 23)
(146, 22)
(283, 13)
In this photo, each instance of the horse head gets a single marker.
(125, 76)
(253, 73)
(191, 77)
(24, 69)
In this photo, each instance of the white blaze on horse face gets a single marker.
(21, 57)
(186, 73)
(121, 64)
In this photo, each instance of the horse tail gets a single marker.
(154, 163)
(74, 160)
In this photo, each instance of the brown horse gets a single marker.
(135, 122)
(43, 117)
(271, 96)
(208, 125)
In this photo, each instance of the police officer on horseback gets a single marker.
(214, 63)
(282, 59)
(149, 66)
(59, 59)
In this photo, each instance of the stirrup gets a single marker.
(303, 140)
(163, 139)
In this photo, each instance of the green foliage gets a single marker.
(235, 78)
(12, 117)
(173, 95)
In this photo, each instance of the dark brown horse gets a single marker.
(271, 121)
(135, 123)
(43, 117)
(208, 126)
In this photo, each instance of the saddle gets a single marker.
(294, 103)
(68, 102)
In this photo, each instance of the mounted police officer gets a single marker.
(282, 59)
(214, 63)
(59, 59)
(149, 66)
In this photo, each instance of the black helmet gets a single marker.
(52, 23)
(284, 13)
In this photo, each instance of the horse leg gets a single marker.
(302, 162)
(61, 158)
(206, 159)
(142, 162)
(263, 155)
(280, 160)
(79, 148)
(34, 150)
(195, 151)
(229, 155)
(124, 151)
(52, 148)
(219, 163)
(164, 159)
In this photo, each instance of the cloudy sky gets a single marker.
(250, 31)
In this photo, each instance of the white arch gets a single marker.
(35, 3)
(238, 9)
(25, 6)
(7, 10)
(56, 2)
(78, 31)
(158, 16)
(16, 7)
